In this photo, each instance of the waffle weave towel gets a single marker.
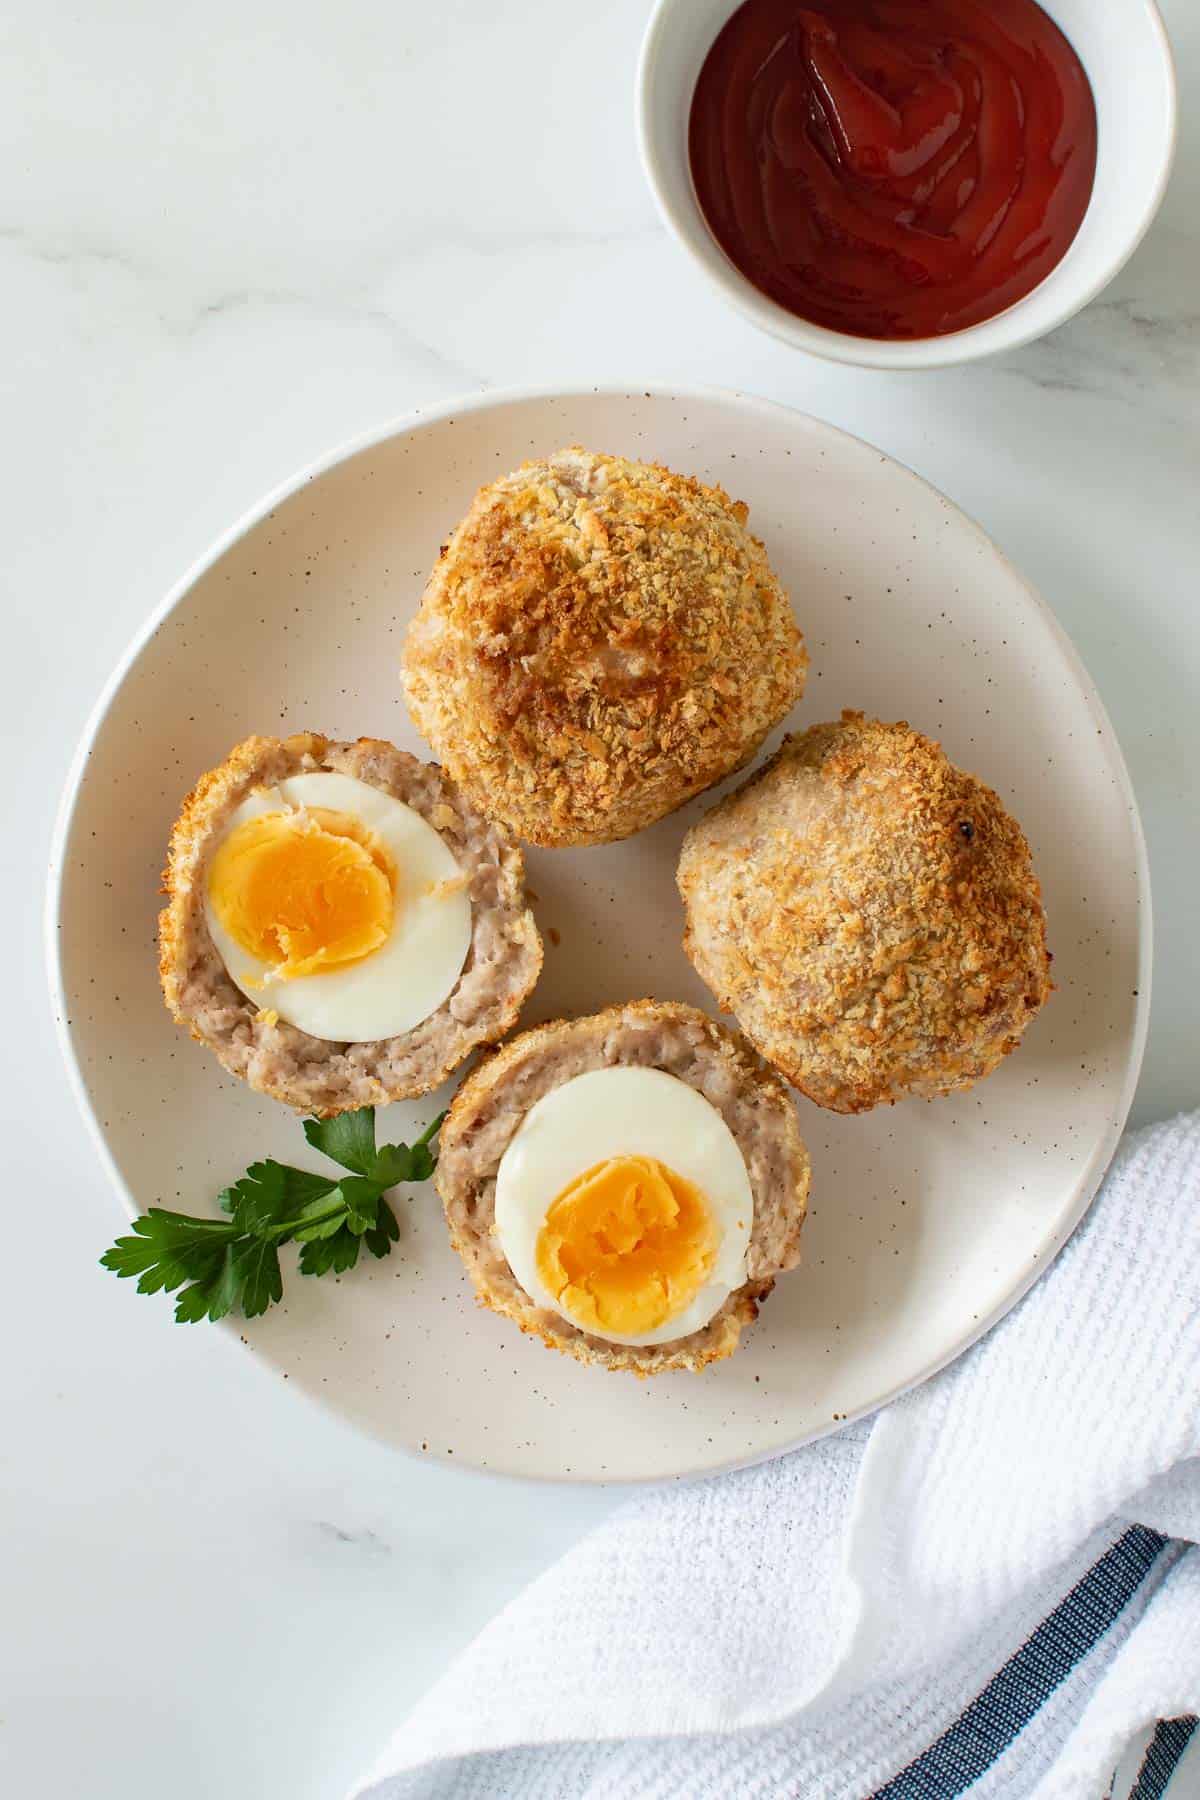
(993, 1586)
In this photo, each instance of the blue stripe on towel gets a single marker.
(1163, 1757)
(1014, 1696)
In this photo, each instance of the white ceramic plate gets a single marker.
(927, 1222)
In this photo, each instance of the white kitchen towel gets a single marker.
(992, 1586)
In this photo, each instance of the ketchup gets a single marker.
(893, 168)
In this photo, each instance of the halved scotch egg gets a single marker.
(626, 1186)
(342, 928)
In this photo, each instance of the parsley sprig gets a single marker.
(232, 1264)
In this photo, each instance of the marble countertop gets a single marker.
(228, 241)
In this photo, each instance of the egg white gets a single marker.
(625, 1112)
(412, 972)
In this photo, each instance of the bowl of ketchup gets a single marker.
(907, 183)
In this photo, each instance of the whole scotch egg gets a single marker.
(870, 914)
(599, 640)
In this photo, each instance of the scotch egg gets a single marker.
(626, 1186)
(599, 640)
(342, 928)
(870, 914)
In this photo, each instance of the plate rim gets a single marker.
(484, 399)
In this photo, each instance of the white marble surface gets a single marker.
(228, 240)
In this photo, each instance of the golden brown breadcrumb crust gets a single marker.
(870, 914)
(277, 1058)
(599, 641)
(496, 1095)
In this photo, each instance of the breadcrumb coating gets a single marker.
(870, 914)
(756, 1106)
(599, 641)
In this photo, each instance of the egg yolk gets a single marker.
(626, 1246)
(304, 891)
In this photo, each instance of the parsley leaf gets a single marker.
(338, 1252)
(207, 1299)
(256, 1275)
(232, 1264)
(170, 1248)
(269, 1192)
(384, 1233)
(349, 1139)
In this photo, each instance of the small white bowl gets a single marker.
(1123, 46)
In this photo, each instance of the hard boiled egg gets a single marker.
(338, 907)
(624, 1205)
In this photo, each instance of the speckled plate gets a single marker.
(928, 1221)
